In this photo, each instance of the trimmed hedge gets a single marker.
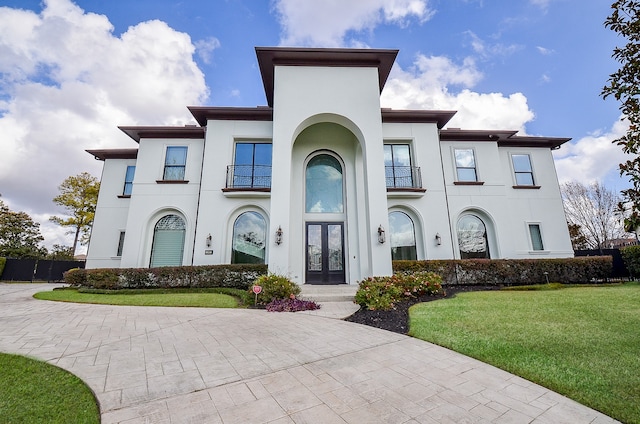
(512, 271)
(238, 276)
(3, 262)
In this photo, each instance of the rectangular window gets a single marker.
(128, 180)
(252, 165)
(465, 165)
(522, 169)
(120, 244)
(397, 166)
(536, 237)
(175, 163)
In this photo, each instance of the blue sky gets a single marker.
(71, 72)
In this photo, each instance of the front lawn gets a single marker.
(203, 298)
(32, 391)
(582, 342)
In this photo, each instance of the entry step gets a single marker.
(329, 293)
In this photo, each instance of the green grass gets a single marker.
(193, 298)
(582, 342)
(32, 391)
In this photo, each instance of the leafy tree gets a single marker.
(593, 210)
(578, 240)
(624, 86)
(61, 253)
(79, 196)
(19, 235)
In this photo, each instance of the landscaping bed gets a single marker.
(397, 318)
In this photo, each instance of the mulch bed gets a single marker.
(397, 319)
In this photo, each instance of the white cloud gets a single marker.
(486, 50)
(591, 158)
(68, 82)
(427, 86)
(328, 22)
(205, 48)
(544, 50)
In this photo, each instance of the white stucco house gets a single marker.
(322, 184)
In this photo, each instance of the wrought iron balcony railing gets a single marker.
(249, 177)
(403, 177)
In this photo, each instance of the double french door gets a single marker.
(325, 253)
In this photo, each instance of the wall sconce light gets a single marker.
(279, 235)
(208, 240)
(381, 236)
(438, 239)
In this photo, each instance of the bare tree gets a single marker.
(594, 210)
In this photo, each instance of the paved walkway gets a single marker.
(190, 365)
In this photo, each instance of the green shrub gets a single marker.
(103, 278)
(75, 277)
(513, 271)
(382, 293)
(631, 258)
(275, 287)
(3, 262)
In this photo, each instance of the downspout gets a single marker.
(195, 225)
(446, 198)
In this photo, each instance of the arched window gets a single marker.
(324, 185)
(472, 238)
(402, 237)
(249, 239)
(168, 242)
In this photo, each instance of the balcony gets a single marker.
(248, 178)
(403, 178)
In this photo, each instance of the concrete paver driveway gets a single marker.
(191, 365)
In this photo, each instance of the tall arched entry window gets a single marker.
(249, 239)
(323, 181)
(402, 237)
(472, 238)
(324, 207)
(168, 242)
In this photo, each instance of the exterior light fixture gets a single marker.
(279, 235)
(438, 239)
(208, 240)
(381, 236)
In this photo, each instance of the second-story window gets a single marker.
(175, 163)
(128, 180)
(252, 165)
(397, 166)
(465, 165)
(522, 169)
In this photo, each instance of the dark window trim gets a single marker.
(172, 181)
(527, 187)
(469, 183)
(124, 196)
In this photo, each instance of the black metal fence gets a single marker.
(619, 268)
(37, 269)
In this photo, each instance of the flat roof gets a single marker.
(504, 138)
(204, 113)
(270, 57)
(138, 132)
(439, 117)
(103, 154)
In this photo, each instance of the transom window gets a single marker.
(465, 165)
(522, 169)
(128, 180)
(249, 239)
(252, 165)
(175, 163)
(402, 237)
(397, 165)
(324, 193)
(472, 238)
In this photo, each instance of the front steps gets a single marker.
(328, 293)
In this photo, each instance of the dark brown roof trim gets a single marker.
(137, 133)
(269, 57)
(503, 138)
(205, 113)
(102, 154)
(440, 117)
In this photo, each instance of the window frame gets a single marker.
(393, 166)
(532, 242)
(516, 172)
(253, 165)
(460, 181)
(120, 247)
(168, 166)
(234, 225)
(128, 183)
(415, 235)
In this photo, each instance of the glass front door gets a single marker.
(325, 253)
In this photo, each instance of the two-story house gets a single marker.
(322, 184)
